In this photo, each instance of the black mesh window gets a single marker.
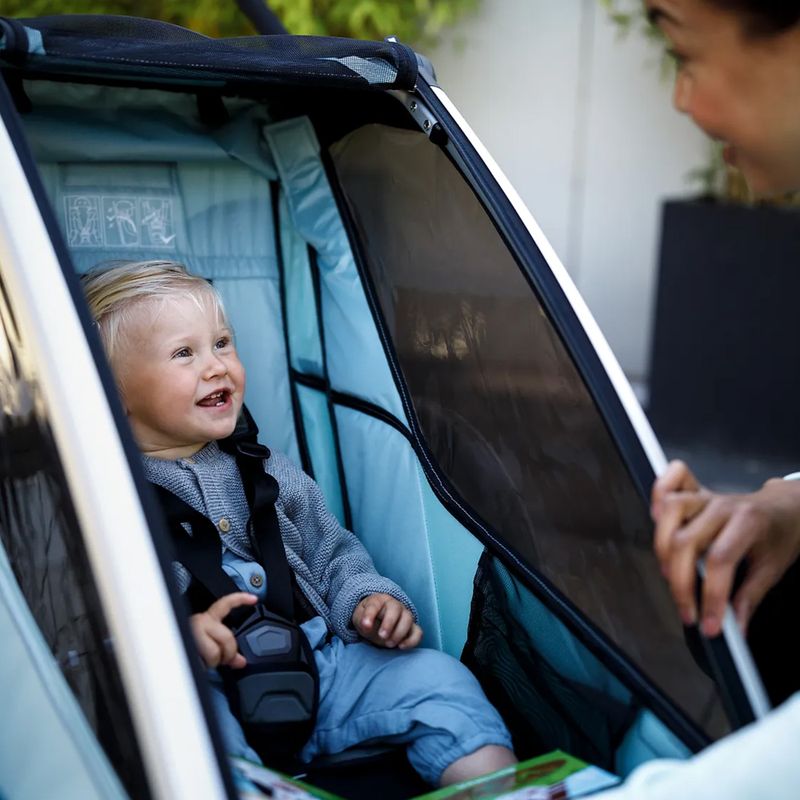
(501, 404)
(40, 534)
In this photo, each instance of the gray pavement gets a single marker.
(728, 471)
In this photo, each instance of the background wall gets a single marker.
(582, 123)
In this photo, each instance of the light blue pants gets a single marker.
(422, 698)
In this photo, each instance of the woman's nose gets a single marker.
(682, 93)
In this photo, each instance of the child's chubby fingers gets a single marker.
(390, 618)
(413, 639)
(229, 655)
(209, 650)
(220, 609)
(215, 642)
(401, 629)
(367, 613)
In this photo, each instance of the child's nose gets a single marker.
(215, 366)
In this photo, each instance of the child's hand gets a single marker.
(214, 640)
(386, 622)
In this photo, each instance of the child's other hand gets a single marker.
(214, 639)
(386, 622)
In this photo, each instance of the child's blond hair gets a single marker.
(114, 289)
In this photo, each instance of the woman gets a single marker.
(738, 77)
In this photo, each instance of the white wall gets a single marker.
(582, 124)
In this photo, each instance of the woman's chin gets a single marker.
(769, 183)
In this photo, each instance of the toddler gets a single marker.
(182, 385)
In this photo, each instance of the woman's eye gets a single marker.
(678, 59)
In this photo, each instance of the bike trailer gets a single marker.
(411, 340)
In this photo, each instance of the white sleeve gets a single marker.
(761, 760)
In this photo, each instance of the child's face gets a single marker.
(181, 381)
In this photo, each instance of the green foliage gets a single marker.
(626, 14)
(412, 21)
(630, 18)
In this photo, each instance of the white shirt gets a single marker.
(759, 762)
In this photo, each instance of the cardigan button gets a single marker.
(224, 525)
(256, 581)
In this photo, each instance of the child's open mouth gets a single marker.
(215, 399)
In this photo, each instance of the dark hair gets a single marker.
(764, 16)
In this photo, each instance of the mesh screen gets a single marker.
(502, 405)
(149, 48)
(514, 650)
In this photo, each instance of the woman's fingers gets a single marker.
(677, 508)
(687, 544)
(740, 529)
(677, 477)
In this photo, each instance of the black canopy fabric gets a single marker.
(140, 48)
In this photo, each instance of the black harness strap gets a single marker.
(261, 490)
(276, 694)
(200, 553)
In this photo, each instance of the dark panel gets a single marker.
(726, 341)
(501, 403)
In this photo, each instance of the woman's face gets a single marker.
(740, 87)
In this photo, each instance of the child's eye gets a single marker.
(184, 352)
(223, 342)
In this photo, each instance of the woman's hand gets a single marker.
(386, 622)
(693, 522)
(214, 639)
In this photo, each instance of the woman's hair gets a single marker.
(764, 16)
(114, 289)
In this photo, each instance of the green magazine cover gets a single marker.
(553, 776)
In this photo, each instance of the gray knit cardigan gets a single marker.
(332, 567)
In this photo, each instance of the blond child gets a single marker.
(182, 385)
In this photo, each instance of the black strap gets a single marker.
(261, 490)
(200, 552)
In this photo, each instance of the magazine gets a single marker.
(553, 776)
